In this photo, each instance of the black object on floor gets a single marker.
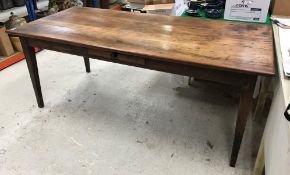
(6, 4)
(19, 3)
(286, 113)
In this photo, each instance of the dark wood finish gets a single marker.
(233, 46)
(232, 53)
(230, 78)
(243, 112)
(87, 64)
(33, 70)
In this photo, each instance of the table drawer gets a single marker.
(100, 54)
(128, 59)
(60, 47)
(116, 57)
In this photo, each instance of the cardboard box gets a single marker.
(247, 10)
(161, 9)
(151, 2)
(16, 44)
(6, 48)
(162, 1)
(141, 1)
(281, 7)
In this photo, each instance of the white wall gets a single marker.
(277, 137)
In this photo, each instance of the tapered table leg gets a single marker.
(87, 64)
(243, 113)
(30, 57)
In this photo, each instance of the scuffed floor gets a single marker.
(116, 120)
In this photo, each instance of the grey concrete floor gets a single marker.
(116, 120)
(21, 11)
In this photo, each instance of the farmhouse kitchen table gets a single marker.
(231, 53)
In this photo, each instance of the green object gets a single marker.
(202, 14)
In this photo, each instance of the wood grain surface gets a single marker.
(231, 46)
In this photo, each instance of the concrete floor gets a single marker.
(116, 120)
(21, 11)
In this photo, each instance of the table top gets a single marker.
(203, 16)
(232, 46)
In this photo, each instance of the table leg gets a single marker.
(243, 113)
(30, 57)
(189, 80)
(87, 64)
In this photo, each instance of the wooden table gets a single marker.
(232, 53)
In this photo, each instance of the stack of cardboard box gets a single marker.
(6, 48)
(281, 7)
(162, 7)
(8, 45)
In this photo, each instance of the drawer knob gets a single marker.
(114, 55)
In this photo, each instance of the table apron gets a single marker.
(215, 75)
